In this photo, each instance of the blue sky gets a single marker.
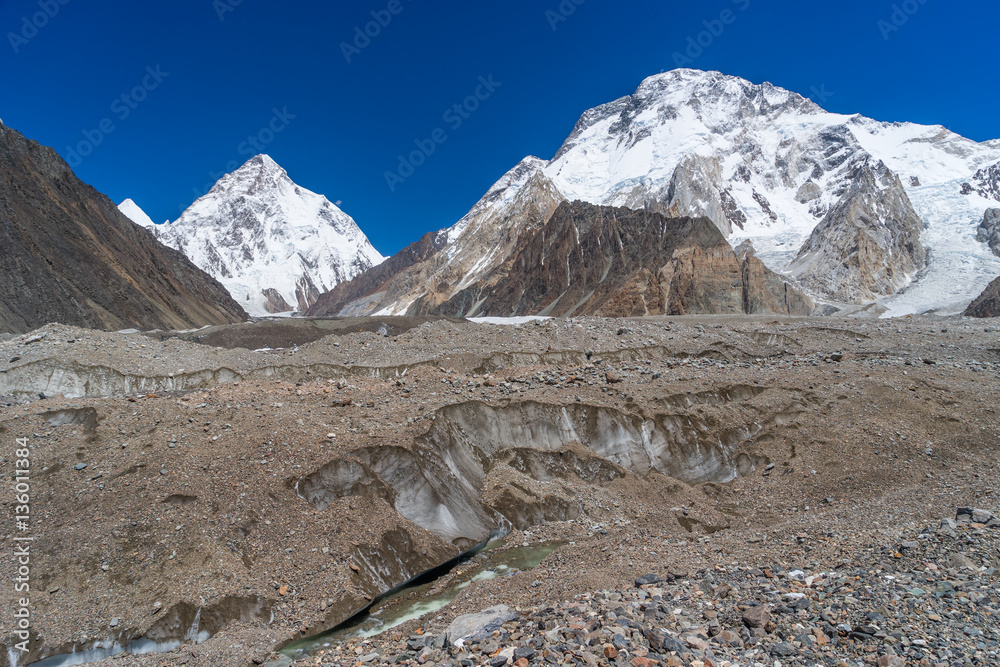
(212, 73)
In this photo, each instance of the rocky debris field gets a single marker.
(926, 600)
(237, 511)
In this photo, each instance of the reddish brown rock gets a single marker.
(616, 262)
(757, 617)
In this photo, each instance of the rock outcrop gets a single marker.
(69, 255)
(868, 245)
(988, 303)
(986, 182)
(618, 262)
(697, 189)
(519, 203)
(368, 286)
(989, 230)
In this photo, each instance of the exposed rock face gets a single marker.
(986, 182)
(69, 255)
(697, 189)
(868, 245)
(520, 202)
(594, 260)
(988, 303)
(367, 286)
(275, 303)
(989, 230)
(264, 236)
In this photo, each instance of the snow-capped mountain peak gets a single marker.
(275, 245)
(134, 213)
(259, 174)
(767, 165)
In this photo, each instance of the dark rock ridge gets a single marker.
(868, 245)
(69, 255)
(618, 262)
(989, 230)
(988, 303)
(986, 182)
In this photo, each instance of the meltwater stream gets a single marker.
(110, 648)
(103, 650)
(424, 595)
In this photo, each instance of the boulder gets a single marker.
(757, 617)
(472, 624)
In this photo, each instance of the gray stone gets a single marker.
(981, 516)
(525, 652)
(470, 624)
(969, 514)
(784, 650)
(646, 580)
(989, 230)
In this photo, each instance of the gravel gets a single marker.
(856, 458)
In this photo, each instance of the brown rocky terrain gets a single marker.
(620, 262)
(375, 279)
(440, 265)
(267, 495)
(69, 255)
(988, 303)
(582, 259)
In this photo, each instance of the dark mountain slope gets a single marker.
(68, 255)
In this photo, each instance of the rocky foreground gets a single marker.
(228, 491)
(933, 599)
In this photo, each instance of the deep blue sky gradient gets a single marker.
(353, 119)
